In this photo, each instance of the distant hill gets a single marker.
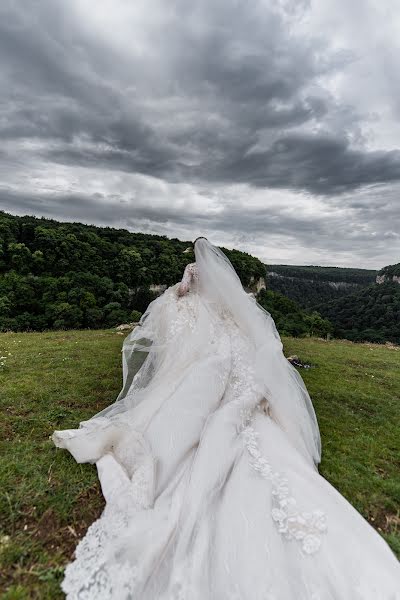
(370, 314)
(310, 286)
(361, 304)
(57, 275)
(292, 320)
(389, 273)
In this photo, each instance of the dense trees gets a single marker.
(312, 286)
(290, 319)
(70, 275)
(329, 274)
(358, 309)
(371, 314)
(390, 271)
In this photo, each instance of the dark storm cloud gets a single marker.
(253, 222)
(321, 164)
(174, 116)
(97, 209)
(191, 104)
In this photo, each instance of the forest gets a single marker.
(290, 319)
(312, 286)
(56, 275)
(390, 271)
(69, 275)
(329, 274)
(370, 314)
(357, 308)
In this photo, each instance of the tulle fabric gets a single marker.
(279, 381)
(153, 354)
(209, 496)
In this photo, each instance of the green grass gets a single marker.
(53, 380)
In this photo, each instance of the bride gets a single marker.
(208, 462)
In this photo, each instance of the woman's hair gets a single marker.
(201, 237)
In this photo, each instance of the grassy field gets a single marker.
(53, 380)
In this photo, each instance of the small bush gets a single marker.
(135, 316)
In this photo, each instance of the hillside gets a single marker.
(311, 286)
(70, 275)
(358, 308)
(372, 314)
(389, 273)
(290, 319)
(53, 380)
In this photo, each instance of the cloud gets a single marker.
(235, 104)
(277, 226)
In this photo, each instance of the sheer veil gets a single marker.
(290, 403)
(206, 496)
(157, 355)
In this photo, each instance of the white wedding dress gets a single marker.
(208, 465)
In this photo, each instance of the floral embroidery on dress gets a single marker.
(305, 527)
(95, 573)
(107, 566)
(92, 574)
(182, 303)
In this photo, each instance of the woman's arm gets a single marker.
(184, 285)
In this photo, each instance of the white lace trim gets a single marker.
(93, 575)
(96, 574)
(305, 527)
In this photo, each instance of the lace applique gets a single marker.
(242, 384)
(225, 313)
(305, 527)
(186, 316)
(96, 574)
(92, 575)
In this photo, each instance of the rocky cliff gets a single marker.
(389, 273)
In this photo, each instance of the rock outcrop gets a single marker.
(385, 277)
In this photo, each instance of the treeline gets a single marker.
(390, 270)
(309, 293)
(71, 275)
(370, 314)
(312, 286)
(292, 320)
(357, 307)
(335, 274)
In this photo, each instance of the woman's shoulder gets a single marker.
(191, 268)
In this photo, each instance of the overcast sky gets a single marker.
(269, 126)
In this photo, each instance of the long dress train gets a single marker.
(207, 496)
